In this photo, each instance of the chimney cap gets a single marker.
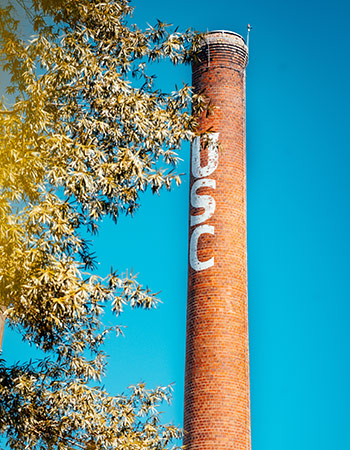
(226, 32)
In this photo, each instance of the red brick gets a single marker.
(217, 405)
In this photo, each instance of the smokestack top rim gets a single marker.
(226, 32)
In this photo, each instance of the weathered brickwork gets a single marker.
(217, 408)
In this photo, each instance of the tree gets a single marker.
(85, 133)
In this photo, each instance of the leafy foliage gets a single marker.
(87, 131)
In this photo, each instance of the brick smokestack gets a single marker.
(217, 401)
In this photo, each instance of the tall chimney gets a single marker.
(217, 401)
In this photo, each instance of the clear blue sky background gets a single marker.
(298, 227)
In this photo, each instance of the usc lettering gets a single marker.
(205, 202)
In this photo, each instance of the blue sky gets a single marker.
(298, 227)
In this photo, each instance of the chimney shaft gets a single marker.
(217, 402)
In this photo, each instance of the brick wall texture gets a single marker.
(217, 401)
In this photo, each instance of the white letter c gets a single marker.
(194, 261)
